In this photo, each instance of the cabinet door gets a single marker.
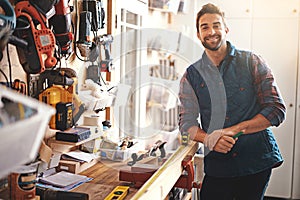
(232, 8)
(240, 32)
(275, 8)
(279, 48)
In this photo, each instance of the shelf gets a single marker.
(92, 137)
(63, 147)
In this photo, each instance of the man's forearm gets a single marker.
(257, 123)
(196, 134)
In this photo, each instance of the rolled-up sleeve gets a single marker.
(269, 97)
(188, 108)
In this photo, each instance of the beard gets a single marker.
(213, 46)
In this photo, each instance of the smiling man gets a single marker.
(231, 92)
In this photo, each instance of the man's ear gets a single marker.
(226, 30)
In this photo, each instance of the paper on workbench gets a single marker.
(67, 188)
(80, 156)
(63, 179)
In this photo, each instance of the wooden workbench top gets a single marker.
(105, 176)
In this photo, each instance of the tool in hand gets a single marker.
(238, 134)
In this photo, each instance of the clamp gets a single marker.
(186, 180)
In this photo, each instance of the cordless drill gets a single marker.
(106, 64)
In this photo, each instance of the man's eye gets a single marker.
(217, 26)
(204, 28)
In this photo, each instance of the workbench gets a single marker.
(105, 176)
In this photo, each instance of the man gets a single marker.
(230, 91)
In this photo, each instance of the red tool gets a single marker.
(62, 23)
(41, 41)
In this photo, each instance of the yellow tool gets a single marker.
(118, 193)
(62, 94)
(54, 95)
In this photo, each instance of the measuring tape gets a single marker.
(118, 193)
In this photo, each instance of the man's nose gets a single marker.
(211, 31)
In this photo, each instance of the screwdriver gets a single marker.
(237, 135)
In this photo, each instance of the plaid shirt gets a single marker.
(219, 97)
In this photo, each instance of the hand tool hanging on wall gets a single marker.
(84, 42)
(45, 7)
(47, 79)
(91, 20)
(32, 27)
(62, 24)
(106, 63)
(97, 11)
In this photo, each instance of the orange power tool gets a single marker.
(39, 53)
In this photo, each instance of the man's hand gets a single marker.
(219, 140)
(224, 144)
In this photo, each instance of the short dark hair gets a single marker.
(211, 9)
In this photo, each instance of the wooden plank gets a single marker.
(158, 186)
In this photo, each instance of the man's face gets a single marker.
(212, 31)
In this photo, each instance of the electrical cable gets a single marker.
(7, 81)
(102, 79)
(9, 67)
(75, 32)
